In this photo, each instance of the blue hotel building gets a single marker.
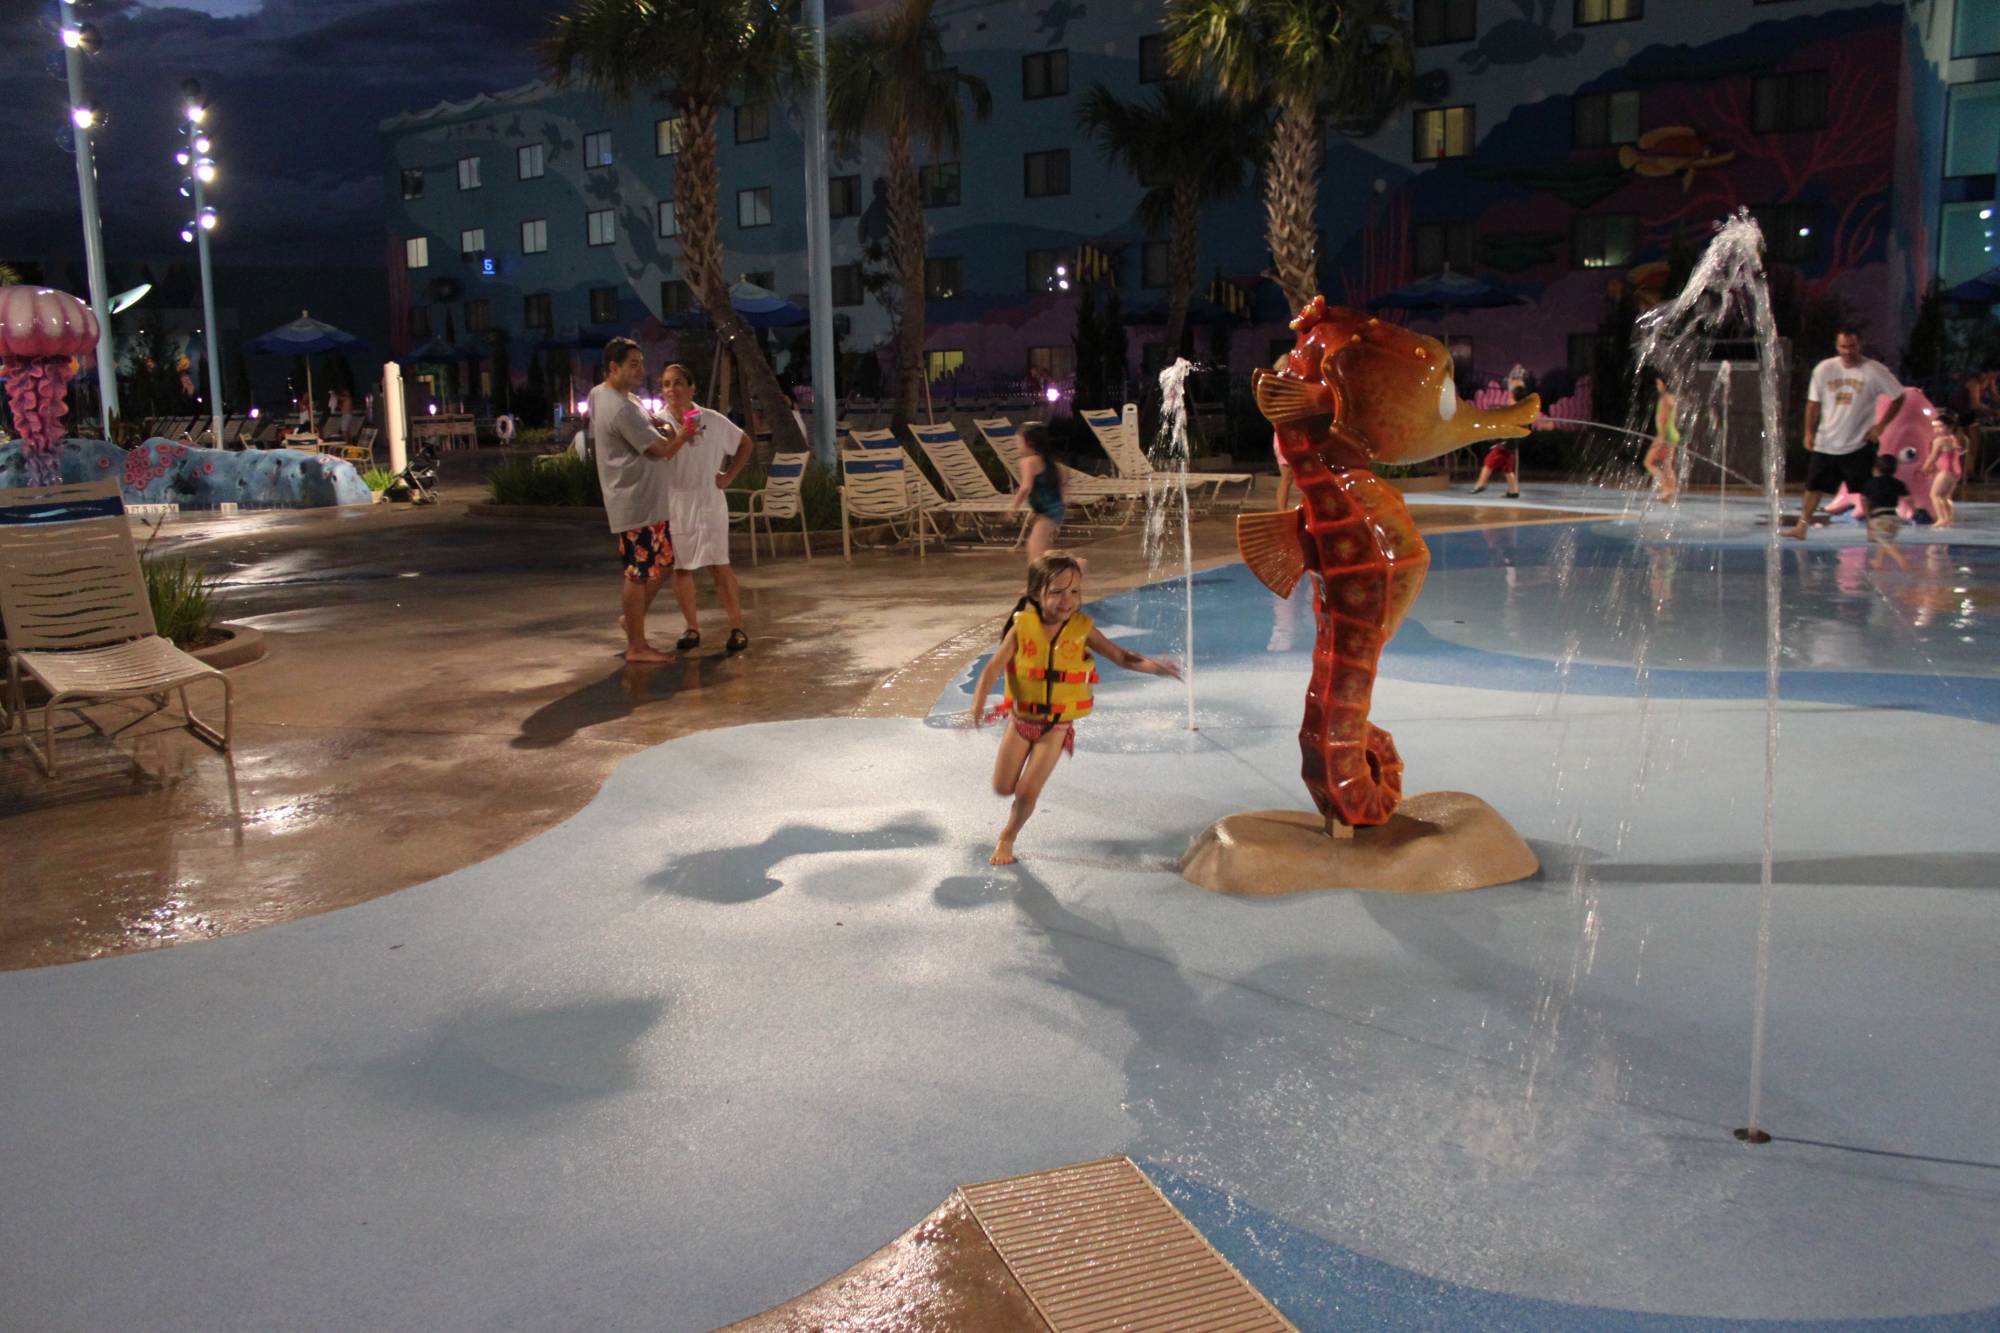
(1559, 148)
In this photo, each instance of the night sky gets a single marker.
(296, 89)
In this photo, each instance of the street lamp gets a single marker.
(80, 40)
(194, 186)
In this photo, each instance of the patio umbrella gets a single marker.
(303, 337)
(1446, 291)
(1982, 290)
(761, 309)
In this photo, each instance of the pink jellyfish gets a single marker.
(40, 332)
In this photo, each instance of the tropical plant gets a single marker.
(1309, 61)
(887, 76)
(183, 601)
(550, 479)
(1190, 147)
(696, 55)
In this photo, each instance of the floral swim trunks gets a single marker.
(646, 552)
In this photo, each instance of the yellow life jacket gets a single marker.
(1050, 682)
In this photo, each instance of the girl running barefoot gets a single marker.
(1660, 454)
(1047, 657)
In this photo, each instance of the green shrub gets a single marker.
(531, 437)
(377, 479)
(550, 479)
(183, 601)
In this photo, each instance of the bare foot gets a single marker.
(646, 654)
(1003, 855)
(1797, 533)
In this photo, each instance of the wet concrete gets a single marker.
(441, 687)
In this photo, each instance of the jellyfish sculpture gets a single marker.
(42, 332)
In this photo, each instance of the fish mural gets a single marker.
(1672, 150)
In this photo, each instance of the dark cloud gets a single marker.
(299, 88)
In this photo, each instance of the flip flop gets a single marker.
(738, 641)
(689, 641)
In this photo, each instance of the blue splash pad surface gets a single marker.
(760, 1005)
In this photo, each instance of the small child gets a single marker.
(1046, 655)
(1505, 459)
(1880, 495)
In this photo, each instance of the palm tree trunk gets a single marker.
(906, 257)
(1184, 263)
(1291, 198)
(696, 185)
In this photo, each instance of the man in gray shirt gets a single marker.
(632, 450)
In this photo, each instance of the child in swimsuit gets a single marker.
(1660, 460)
(1880, 495)
(1047, 656)
(1043, 490)
(1946, 464)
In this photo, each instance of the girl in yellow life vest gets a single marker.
(1048, 657)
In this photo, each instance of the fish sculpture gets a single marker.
(1352, 392)
(1672, 150)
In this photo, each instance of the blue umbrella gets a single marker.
(761, 309)
(1982, 290)
(302, 337)
(1446, 291)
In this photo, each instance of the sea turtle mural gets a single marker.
(1524, 40)
(1672, 150)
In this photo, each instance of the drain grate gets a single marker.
(1097, 1247)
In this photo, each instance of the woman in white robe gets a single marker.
(697, 511)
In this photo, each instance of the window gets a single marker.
(1153, 58)
(1972, 129)
(1047, 267)
(534, 236)
(1791, 231)
(471, 242)
(676, 297)
(1156, 264)
(1785, 102)
(1052, 363)
(417, 252)
(1976, 31)
(1435, 244)
(753, 122)
(420, 321)
(669, 224)
(1441, 21)
(537, 312)
(1044, 74)
(667, 136)
(942, 278)
(847, 289)
(529, 160)
(1965, 241)
(478, 316)
(597, 149)
(753, 207)
(1445, 131)
(942, 363)
(413, 183)
(1598, 120)
(468, 173)
(601, 226)
(1604, 241)
(939, 184)
(603, 305)
(843, 197)
(1046, 174)
(1608, 11)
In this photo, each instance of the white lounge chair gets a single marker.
(79, 622)
(1096, 496)
(1118, 433)
(973, 493)
(874, 485)
(779, 497)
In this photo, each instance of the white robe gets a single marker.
(697, 511)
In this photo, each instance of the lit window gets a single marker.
(471, 242)
(417, 252)
(667, 136)
(1052, 363)
(1608, 11)
(1442, 132)
(597, 149)
(529, 159)
(1972, 128)
(468, 173)
(753, 207)
(534, 236)
(669, 224)
(943, 362)
(601, 226)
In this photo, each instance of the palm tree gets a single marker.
(694, 54)
(1195, 146)
(1308, 59)
(886, 75)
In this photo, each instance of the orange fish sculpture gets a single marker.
(1353, 392)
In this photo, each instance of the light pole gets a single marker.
(819, 254)
(79, 40)
(201, 171)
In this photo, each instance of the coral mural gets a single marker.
(167, 472)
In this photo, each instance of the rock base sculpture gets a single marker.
(1435, 842)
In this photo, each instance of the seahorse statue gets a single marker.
(1352, 392)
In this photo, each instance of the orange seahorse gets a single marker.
(1351, 392)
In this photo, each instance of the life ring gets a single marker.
(503, 426)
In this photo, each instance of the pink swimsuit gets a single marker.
(1950, 461)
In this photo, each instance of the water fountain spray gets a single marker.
(1173, 448)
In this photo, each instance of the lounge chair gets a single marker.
(972, 491)
(780, 497)
(79, 623)
(1096, 496)
(1118, 433)
(874, 484)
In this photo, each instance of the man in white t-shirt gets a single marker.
(1841, 430)
(632, 452)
